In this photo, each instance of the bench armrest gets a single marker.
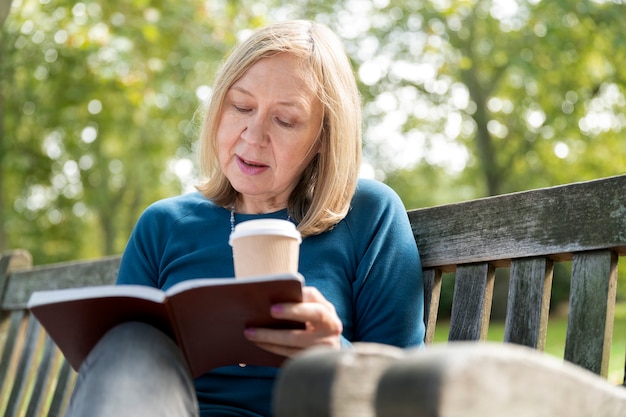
(472, 379)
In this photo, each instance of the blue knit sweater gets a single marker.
(367, 266)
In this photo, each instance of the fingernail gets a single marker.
(278, 309)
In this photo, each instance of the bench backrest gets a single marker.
(35, 379)
(527, 232)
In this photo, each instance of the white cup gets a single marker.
(265, 247)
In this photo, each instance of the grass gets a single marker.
(555, 340)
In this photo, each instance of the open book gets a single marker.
(206, 317)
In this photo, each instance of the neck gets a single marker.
(233, 219)
(249, 206)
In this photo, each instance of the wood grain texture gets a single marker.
(10, 262)
(592, 307)
(471, 304)
(22, 283)
(493, 380)
(432, 296)
(528, 302)
(554, 221)
(323, 382)
(304, 387)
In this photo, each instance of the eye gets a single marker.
(242, 109)
(284, 123)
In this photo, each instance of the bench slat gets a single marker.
(62, 275)
(432, 296)
(592, 307)
(10, 341)
(556, 221)
(41, 370)
(63, 389)
(528, 302)
(471, 304)
(23, 367)
(28, 388)
(41, 378)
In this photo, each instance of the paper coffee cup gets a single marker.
(265, 247)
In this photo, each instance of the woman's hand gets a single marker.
(323, 326)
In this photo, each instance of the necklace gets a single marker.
(232, 217)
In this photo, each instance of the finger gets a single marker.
(312, 294)
(317, 316)
(315, 309)
(287, 351)
(289, 342)
(291, 338)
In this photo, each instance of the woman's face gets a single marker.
(268, 132)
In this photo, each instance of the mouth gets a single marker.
(249, 167)
(252, 164)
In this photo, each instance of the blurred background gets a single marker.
(462, 99)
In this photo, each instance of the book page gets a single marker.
(102, 291)
(204, 282)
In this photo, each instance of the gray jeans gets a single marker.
(134, 370)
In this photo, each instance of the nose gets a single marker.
(255, 131)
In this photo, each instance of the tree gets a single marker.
(488, 96)
(523, 93)
(472, 97)
(5, 6)
(101, 99)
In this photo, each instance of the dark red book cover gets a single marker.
(206, 317)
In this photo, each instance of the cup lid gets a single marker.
(274, 227)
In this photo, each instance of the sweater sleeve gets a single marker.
(388, 291)
(141, 259)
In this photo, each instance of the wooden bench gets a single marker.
(35, 379)
(525, 233)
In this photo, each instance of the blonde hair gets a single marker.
(322, 197)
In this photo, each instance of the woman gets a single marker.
(281, 139)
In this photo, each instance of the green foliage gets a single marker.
(476, 98)
(461, 99)
(513, 95)
(99, 113)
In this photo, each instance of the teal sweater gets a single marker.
(367, 266)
